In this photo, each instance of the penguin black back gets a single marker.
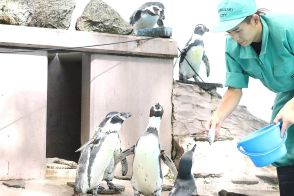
(185, 183)
(185, 165)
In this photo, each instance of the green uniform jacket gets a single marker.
(274, 67)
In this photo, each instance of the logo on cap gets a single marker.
(225, 10)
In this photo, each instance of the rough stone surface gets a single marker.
(220, 165)
(15, 12)
(192, 107)
(100, 17)
(52, 13)
(38, 13)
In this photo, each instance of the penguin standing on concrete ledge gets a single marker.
(192, 55)
(185, 183)
(147, 16)
(147, 174)
(98, 152)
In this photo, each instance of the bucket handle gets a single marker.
(261, 154)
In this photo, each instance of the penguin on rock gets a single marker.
(185, 183)
(192, 56)
(99, 154)
(148, 15)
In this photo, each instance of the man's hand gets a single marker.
(286, 115)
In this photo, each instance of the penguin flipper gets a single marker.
(97, 136)
(206, 62)
(84, 146)
(124, 166)
(135, 17)
(183, 54)
(169, 163)
(160, 23)
(124, 154)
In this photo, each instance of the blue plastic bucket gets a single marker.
(264, 146)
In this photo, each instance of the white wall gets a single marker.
(23, 99)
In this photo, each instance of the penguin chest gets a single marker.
(194, 55)
(146, 21)
(193, 59)
(147, 174)
(101, 157)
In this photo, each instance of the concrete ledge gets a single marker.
(40, 38)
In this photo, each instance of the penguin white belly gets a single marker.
(147, 175)
(194, 56)
(146, 21)
(103, 158)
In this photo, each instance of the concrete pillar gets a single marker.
(23, 99)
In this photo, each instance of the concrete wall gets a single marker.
(130, 84)
(23, 99)
(119, 72)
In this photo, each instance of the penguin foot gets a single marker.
(112, 186)
(112, 189)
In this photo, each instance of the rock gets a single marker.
(15, 183)
(193, 106)
(207, 175)
(219, 164)
(54, 14)
(16, 12)
(269, 179)
(100, 17)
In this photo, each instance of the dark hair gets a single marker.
(259, 12)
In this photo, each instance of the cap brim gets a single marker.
(227, 25)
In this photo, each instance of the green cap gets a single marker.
(233, 12)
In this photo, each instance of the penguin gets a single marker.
(147, 16)
(98, 153)
(185, 183)
(192, 55)
(147, 175)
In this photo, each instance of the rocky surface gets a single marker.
(52, 13)
(220, 165)
(96, 17)
(100, 17)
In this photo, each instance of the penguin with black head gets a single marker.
(148, 15)
(147, 175)
(185, 183)
(98, 153)
(192, 56)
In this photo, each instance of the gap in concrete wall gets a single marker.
(64, 106)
